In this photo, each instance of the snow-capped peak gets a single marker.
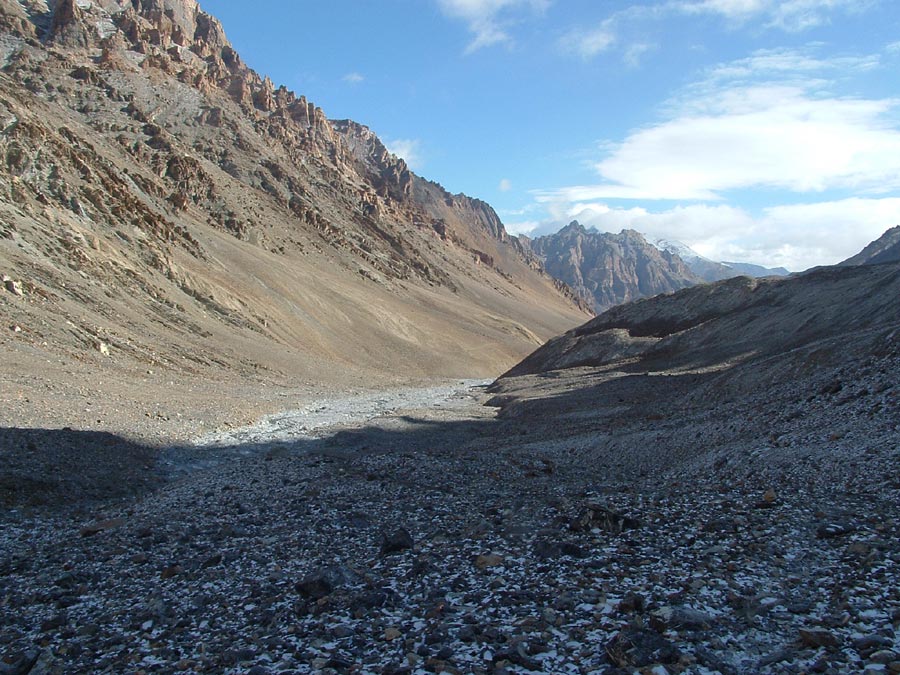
(680, 249)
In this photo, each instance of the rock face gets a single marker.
(609, 269)
(162, 197)
(884, 249)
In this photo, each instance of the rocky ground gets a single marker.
(608, 529)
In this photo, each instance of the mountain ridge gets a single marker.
(163, 206)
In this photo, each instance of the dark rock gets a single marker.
(381, 597)
(396, 541)
(323, 582)
(212, 561)
(54, 623)
(681, 618)
(707, 658)
(466, 634)
(817, 637)
(776, 657)
(638, 648)
(832, 530)
(544, 549)
(632, 602)
(604, 518)
(868, 644)
(517, 658)
(445, 653)
(101, 526)
(22, 665)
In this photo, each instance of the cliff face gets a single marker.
(162, 197)
(610, 269)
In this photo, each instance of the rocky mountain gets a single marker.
(884, 249)
(609, 269)
(163, 206)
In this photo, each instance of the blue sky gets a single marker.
(754, 130)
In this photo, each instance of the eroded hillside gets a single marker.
(165, 209)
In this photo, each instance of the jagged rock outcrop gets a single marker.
(609, 269)
(164, 197)
(884, 249)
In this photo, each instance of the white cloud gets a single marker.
(792, 65)
(758, 136)
(766, 121)
(628, 28)
(523, 227)
(505, 185)
(488, 20)
(787, 15)
(353, 78)
(635, 52)
(408, 149)
(772, 129)
(587, 43)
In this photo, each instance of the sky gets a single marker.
(763, 131)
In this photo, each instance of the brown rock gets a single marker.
(817, 637)
(101, 526)
(488, 560)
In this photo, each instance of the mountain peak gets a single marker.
(607, 269)
(573, 228)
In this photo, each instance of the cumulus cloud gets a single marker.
(766, 135)
(766, 121)
(505, 185)
(353, 78)
(488, 20)
(408, 149)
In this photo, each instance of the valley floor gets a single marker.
(598, 523)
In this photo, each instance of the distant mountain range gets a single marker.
(709, 270)
(609, 269)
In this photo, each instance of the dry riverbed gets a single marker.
(423, 533)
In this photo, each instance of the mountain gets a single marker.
(608, 269)
(709, 270)
(163, 206)
(884, 249)
(703, 268)
(734, 324)
(751, 270)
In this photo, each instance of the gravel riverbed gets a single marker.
(427, 534)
